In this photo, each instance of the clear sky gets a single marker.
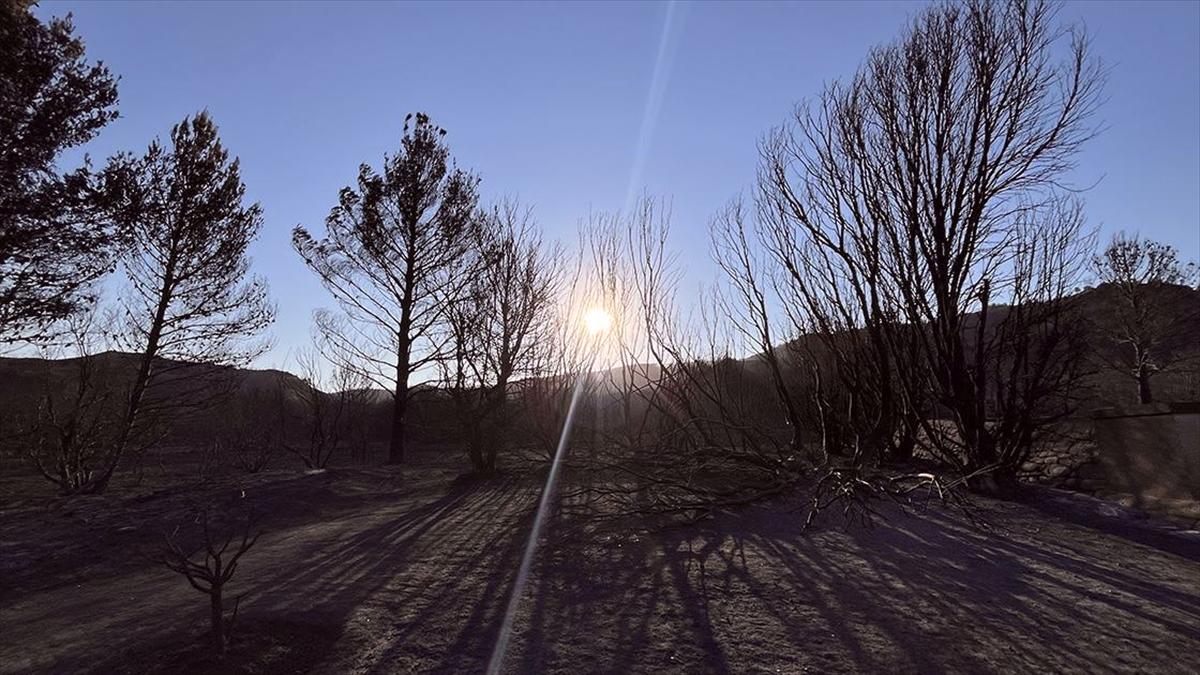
(572, 106)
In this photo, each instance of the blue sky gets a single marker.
(551, 103)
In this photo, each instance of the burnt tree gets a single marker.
(390, 245)
(1140, 279)
(208, 570)
(189, 298)
(931, 181)
(500, 326)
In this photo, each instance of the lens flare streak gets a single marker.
(496, 661)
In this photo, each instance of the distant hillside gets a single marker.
(1104, 385)
(23, 378)
(25, 381)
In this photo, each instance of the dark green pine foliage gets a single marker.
(53, 242)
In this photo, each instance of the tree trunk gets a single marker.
(499, 441)
(217, 627)
(905, 446)
(400, 402)
(145, 371)
(399, 407)
(1143, 381)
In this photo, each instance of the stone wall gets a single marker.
(1151, 451)
(1148, 453)
(1069, 463)
(1140, 456)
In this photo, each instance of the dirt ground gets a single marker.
(408, 570)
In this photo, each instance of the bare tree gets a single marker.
(328, 416)
(389, 248)
(187, 299)
(927, 178)
(557, 365)
(843, 326)
(500, 326)
(745, 301)
(1034, 349)
(1150, 312)
(70, 438)
(221, 549)
(631, 276)
(694, 427)
(254, 428)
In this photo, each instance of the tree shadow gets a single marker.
(421, 583)
(1124, 523)
(918, 592)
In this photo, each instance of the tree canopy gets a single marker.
(53, 243)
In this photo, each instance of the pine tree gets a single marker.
(188, 297)
(390, 246)
(53, 243)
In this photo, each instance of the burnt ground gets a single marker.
(408, 569)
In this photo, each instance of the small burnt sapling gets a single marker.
(332, 408)
(226, 533)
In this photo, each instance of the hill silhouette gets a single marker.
(25, 381)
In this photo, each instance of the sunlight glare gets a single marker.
(597, 321)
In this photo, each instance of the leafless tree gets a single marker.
(689, 432)
(328, 417)
(745, 301)
(254, 428)
(390, 246)
(1150, 310)
(70, 437)
(500, 325)
(631, 275)
(929, 183)
(558, 365)
(544, 397)
(187, 298)
(842, 327)
(1034, 349)
(209, 569)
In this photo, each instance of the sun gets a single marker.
(596, 320)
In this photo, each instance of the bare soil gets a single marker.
(408, 570)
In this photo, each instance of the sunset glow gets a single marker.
(597, 321)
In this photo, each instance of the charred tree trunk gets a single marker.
(145, 372)
(399, 409)
(1142, 375)
(217, 621)
(403, 370)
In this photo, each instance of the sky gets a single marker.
(574, 107)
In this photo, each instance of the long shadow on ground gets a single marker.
(419, 583)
